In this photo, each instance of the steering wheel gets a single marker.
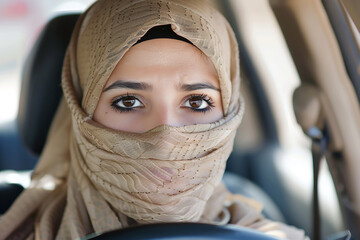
(181, 231)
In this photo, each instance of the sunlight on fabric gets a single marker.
(47, 182)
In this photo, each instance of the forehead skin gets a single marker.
(167, 62)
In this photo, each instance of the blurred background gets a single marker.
(20, 23)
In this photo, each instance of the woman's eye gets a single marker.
(200, 103)
(127, 103)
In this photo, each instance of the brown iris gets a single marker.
(196, 102)
(128, 101)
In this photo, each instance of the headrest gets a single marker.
(41, 82)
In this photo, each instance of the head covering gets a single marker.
(104, 179)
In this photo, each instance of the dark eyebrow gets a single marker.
(197, 86)
(130, 85)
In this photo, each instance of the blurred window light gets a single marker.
(13, 9)
(21, 21)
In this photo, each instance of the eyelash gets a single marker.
(204, 97)
(117, 100)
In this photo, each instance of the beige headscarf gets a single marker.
(104, 179)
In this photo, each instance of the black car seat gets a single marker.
(41, 82)
(41, 93)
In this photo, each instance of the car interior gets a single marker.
(307, 45)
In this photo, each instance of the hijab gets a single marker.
(94, 179)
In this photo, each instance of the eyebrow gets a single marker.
(198, 86)
(130, 85)
(146, 86)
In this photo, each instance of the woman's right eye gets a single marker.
(127, 103)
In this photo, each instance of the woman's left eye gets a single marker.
(199, 103)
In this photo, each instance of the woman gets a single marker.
(151, 106)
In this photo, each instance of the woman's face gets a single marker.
(160, 81)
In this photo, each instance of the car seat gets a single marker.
(40, 96)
